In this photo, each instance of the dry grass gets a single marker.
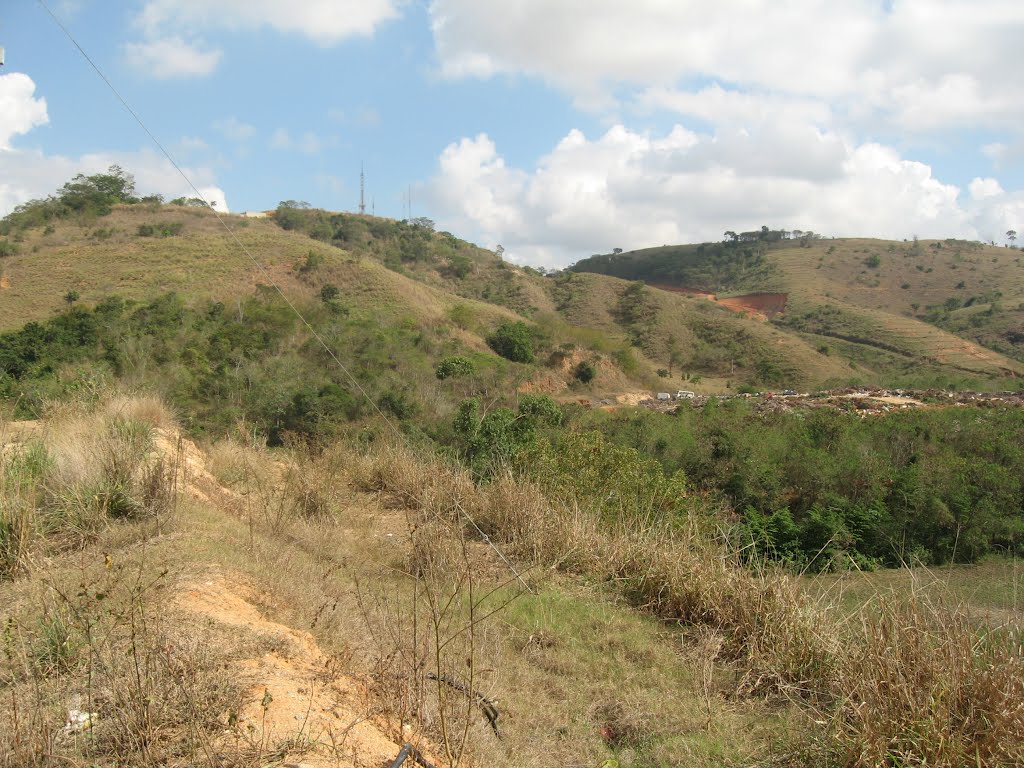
(911, 682)
(100, 676)
(92, 672)
(86, 464)
(763, 618)
(924, 685)
(403, 591)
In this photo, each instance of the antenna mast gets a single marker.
(362, 190)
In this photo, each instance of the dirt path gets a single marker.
(299, 708)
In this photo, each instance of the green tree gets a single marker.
(98, 194)
(451, 367)
(497, 439)
(513, 341)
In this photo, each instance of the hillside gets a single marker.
(946, 309)
(408, 275)
(172, 605)
(395, 502)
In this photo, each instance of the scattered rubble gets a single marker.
(863, 401)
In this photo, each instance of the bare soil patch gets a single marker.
(300, 707)
(760, 306)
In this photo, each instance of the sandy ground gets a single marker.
(300, 709)
(299, 703)
(891, 399)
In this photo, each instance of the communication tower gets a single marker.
(362, 190)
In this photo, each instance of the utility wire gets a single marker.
(263, 270)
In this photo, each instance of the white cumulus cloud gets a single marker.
(921, 65)
(21, 110)
(31, 174)
(630, 189)
(28, 175)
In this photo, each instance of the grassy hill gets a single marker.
(317, 582)
(939, 310)
(839, 312)
(402, 274)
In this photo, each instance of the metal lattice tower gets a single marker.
(362, 190)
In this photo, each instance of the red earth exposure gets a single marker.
(761, 306)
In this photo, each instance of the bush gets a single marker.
(513, 341)
(162, 229)
(498, 439)
(462, 315)
(585, 372)
(7, 248)
(311, 263)
(454, 366)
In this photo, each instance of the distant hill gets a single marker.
(887, 307)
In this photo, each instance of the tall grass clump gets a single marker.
(64, 479)
(21, 470)
(680, 572)
(99, 676)
(923, 684)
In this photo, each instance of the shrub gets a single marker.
(454, 366)
(162, 229)
(7, 248)
(585, 372)
(462, 315)
(498, 439)
(311, 263)
(513, 341)
(399, 404)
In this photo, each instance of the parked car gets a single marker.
(684, 394)
(664, 396)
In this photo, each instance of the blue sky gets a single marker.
(558, 128)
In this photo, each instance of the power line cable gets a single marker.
(263, 270)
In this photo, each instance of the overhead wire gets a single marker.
(262, 269)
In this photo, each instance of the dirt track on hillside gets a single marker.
(297, 695)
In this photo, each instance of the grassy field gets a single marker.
(853, 322)
(284, 586)
(887, 302)
(203, 261)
